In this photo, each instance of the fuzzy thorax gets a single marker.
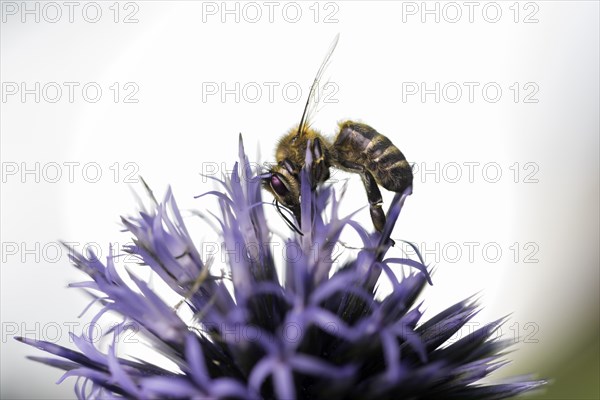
(292, 146)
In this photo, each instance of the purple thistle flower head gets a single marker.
(314, 333)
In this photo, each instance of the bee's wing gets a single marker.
(311, 105)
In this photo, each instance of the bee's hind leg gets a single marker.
(373, 193)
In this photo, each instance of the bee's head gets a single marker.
(283, 178)
(283, 183)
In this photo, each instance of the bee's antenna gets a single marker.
(316, 82)
(286, 219)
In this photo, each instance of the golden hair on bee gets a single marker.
(292, 146)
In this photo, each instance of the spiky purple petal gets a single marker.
(321, 333)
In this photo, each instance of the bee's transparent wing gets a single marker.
(311, 103)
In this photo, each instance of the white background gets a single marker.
(176, 131)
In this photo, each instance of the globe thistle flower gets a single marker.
(314, 333)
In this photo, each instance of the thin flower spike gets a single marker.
(319, 333)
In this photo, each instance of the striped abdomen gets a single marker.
(360, 144)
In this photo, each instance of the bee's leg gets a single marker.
(373, 193)
(290, 167)
(296, 212)
(319, 170)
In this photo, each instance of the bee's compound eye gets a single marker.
(278, 186)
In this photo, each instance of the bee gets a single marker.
(356, 148)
